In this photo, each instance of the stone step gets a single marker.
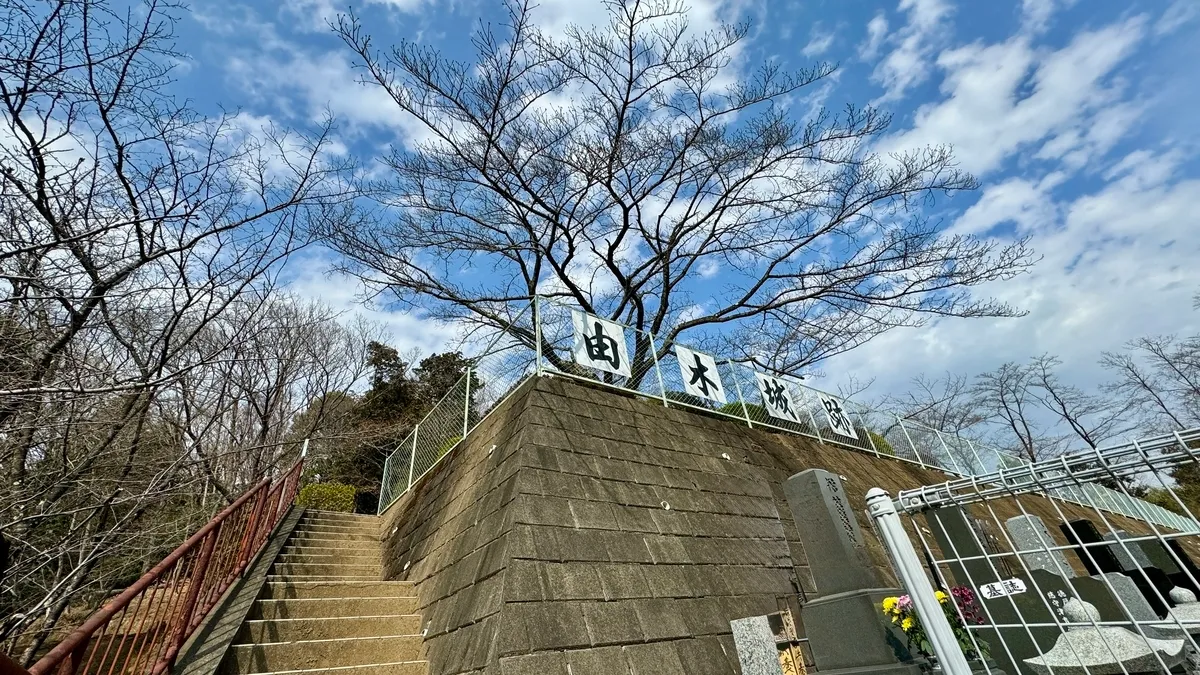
(340, 515)
(402, 668)
(327, 628)
(290, 578)
(335, 544)
(311, 654)
(337, 531)
(327, 570)
(331, 540)
(333, 557)
(277, 590)
(372, 526)
(320, 608)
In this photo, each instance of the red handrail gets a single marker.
(148, 623)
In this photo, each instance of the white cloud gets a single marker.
(877, 29)
(819, 42)
(908, 63)
(1179, 13)
(1035, 14)
(1119, 263)
(406, 330)
(1002, 98)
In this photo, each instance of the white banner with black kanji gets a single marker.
(700, 376)
(839, 419)
(777, 397)
(600, 344)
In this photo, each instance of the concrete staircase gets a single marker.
(325, 609)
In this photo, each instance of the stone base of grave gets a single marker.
(849, 635)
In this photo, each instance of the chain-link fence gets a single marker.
(542, 339)
(500, 367)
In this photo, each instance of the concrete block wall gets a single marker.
(554, 552)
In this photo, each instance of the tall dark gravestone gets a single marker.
(845, 626)
(970, 567)
(1096, 554)
(1161, 557)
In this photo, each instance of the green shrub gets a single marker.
(327, 497)
(689, 399)
(447, 445)
(881, 444)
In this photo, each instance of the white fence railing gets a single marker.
(539, 341)
(1058, 589)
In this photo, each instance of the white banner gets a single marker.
(777, 398)
(700, 376)
(839, 419)
(600, 344)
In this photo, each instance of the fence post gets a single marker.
(949, 454)
(737, 385)
(537, 335)
(412, 462)
(662, 388)
(193, 593)
(467, 405)
(982, 467)
(911, 446)
(912, 575)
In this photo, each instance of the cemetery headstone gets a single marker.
(1097, 556)
(845, 628)
(1087, 649)
(1164, 559)
(755, 645)
(1130, 555)
(1042, 602)
(1096, 559)
(1127, 592)
(1029, 533)
(1184, 557)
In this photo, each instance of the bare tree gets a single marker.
(614, 166)
(129, 225)
(947, 404)
(1092, 418)
(1160, 378)
(1007, 397)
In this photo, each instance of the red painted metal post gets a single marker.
(72, 662)
(9, 667)
(193, 593)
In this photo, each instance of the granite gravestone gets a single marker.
(1035, 545)
(1182, 555)
(1166, 560)
(1097, 556)
(755, 643)
(1128, 594)
(1042, 602)
(845, 627)
(1130, 555)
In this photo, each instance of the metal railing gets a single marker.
(143, 628)
(1062, 586)
(500, 367)
(539, 341)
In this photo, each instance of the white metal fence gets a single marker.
(539, 341)
(1061, 584)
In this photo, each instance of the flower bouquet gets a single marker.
(902, 612)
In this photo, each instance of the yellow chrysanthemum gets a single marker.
(889, 604)
(895, 619)
(941, 597)
(907, 623)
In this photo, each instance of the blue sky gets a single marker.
(1075, 115)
